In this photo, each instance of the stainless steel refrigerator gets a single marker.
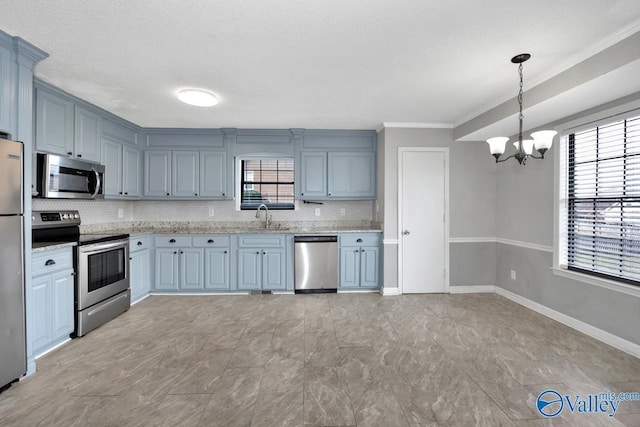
(13, 354)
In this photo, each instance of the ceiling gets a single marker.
(344, 64)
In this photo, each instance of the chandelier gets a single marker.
(541, 141)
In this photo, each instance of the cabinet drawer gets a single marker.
(369, 239)
(171, 241)
(138, 243)
(48, 262)
(261, 241)
(212, 241)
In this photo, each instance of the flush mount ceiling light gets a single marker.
(197, 97)
(541, 141)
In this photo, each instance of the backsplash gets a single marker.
(103, 211)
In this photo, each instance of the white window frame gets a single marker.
(560, 233)
(238, 177)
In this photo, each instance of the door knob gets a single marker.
(406, 232)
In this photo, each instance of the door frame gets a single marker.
(445, 151)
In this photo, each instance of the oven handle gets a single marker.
(101, 247)
(98, 183)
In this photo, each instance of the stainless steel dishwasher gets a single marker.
(316, 263)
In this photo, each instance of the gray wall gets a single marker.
(471, 207)
(525, 199)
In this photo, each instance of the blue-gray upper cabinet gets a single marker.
(157, 174)
(351, 175)
(122, 160)
(64, 128)
(54, 123)
(333, 164)
(313, 174)
(5, 89)
(186, 174)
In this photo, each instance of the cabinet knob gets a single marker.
(359, 240)
(125, 193)
(120, 192)
(210, 241)
(181, 252)
(406, 232)
(167, 194)
(139, 243)
(223, 194)
(175, 252)
(172, 241)
(130, 258)
(50, 262)
(69, 153)
(196, 194)
(79, 155)
(225, 252)
(361, 250)
(329, 193)
(258, 253)
(302, 194)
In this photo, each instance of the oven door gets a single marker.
(103, 271)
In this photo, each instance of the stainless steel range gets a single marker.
(101, 264)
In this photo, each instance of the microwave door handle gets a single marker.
(98, 183)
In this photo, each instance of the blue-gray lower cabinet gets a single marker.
(179, 268)
(139, 267)
(262, 262)
(50, 310)
(359, 261)
(216, 269)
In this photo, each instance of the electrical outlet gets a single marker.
(120, 213)
(317, 211)
(343, 211)
(211, 212)
(513, 275)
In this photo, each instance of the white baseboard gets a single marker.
(191, 294)
(387, 292)
(585, 328)
(480, 289)
(357, 291)
(139, 299)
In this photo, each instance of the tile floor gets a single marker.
(321, 360)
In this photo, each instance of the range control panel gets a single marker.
(50, 219)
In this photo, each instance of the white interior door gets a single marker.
(423, 199)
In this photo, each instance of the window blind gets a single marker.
(268, 181)
(604, 201)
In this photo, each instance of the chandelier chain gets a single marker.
(520, 100)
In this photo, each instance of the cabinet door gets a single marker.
(62, 305)
(5, 89)
(87, 135)
(166, 269)
(139, 269)
(349, 267)
(112, 160)
(191, 268)
(54, 124)
(213, 174)
(157, 167)
(313, 176)
(273, 269)
(39, 327)
(369, 267)
(249, 270)
(363, 175)
(339, 174)
(185, 174)
(131, 172)
(216, 267)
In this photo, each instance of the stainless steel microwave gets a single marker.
(66, 178)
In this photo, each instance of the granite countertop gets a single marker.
(46, 246)
(209, 227)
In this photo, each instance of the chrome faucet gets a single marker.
(267, 218)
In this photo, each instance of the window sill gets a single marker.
(598, 281)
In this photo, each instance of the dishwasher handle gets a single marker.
(315, 239)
